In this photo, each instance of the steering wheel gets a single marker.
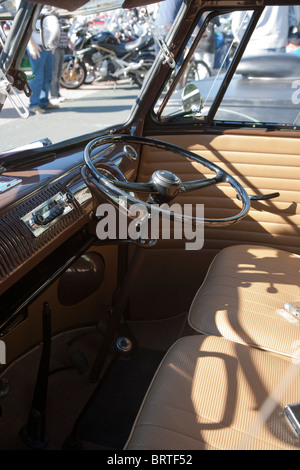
(163, 185)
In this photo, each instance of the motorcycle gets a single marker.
(101, 56)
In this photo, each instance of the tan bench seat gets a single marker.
(243, 295)
(207, 394)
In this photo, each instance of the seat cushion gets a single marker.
(243, 296)
(207, 394)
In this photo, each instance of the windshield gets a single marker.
(88, 82)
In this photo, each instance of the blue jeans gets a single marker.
(58, 60)
(40, 85)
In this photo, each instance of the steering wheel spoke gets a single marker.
(193, 185)
(135, 187)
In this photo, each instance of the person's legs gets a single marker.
(60, 67)
(54, 90)
(36, 83)
(48, 67)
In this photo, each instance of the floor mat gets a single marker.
(109, 415)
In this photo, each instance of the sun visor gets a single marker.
(96, 6)
(137, 3)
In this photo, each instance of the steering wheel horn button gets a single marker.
(166, 177)
(166, 184)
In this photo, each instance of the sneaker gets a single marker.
(37, 110)
(51, 106)
(54, 101)
(59, 99)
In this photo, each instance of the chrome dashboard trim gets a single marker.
(8, 182)
(48, 213)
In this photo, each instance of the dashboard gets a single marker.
(46, 222)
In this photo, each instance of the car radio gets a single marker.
(49, 212)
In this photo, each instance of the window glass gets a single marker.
(266, 86)
(207, 65)
(96, 89)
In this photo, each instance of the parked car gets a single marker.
(150, 295)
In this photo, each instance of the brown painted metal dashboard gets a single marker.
(45, 223)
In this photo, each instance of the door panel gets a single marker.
(262, 164)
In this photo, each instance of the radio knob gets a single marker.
(69, 197)
(38, 219)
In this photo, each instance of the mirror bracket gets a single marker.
(167, 54)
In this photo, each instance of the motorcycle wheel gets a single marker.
(195, 70)
(139, 75)
(73, 75)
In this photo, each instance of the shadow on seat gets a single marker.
(208, 393)
(243, 297)
(215, 390)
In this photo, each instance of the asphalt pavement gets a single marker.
(87, 109)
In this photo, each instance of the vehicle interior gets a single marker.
(118, 334)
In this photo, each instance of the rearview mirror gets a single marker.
(50, 32)
(191, 99)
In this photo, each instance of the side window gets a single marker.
(207, 64)
(265, 88)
